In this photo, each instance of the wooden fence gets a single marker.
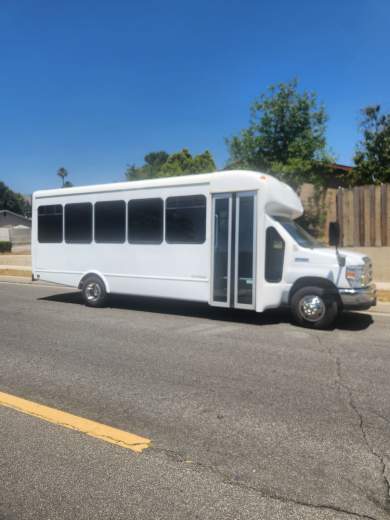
(363, 213)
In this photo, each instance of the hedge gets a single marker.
(5, 246)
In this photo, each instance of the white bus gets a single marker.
(226, 238)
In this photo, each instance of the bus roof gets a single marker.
(281, 199)
(243, 177)
(200, 178)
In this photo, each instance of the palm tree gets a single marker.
(62, 172)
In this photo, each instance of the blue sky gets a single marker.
(94, 85)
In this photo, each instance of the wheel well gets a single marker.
(97, 275)
(307, 281)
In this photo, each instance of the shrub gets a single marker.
(5, 246)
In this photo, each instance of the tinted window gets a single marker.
(78, 223)
(50, 224)
(110, 221)
(221, 249)
(186, 219)
(274, 256)
(245, 249)
(145, 221)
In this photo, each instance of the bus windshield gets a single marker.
(302, 237)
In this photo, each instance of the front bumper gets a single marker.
(358, 299)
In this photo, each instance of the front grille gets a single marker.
(368, 270)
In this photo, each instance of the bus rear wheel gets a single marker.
(94, 291)
(314, 307)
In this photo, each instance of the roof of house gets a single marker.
(9, 212)
(343, 167)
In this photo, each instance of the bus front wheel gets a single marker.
(94, 291)
(314, 307)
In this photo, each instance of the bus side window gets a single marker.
(110, 222)
(78, 223)
(145, 219)
(185, 219)
(274, 256)
(50, 224)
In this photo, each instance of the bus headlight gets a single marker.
(357, 276)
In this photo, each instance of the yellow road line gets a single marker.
(73, 422)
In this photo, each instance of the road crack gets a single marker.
(352, 403)
(362, 427)
(178, 457)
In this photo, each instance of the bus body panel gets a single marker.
(161, 270)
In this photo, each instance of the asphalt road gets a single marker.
(249, 416)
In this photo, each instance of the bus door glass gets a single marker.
(233, 250)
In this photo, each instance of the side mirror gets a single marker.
(334, 234)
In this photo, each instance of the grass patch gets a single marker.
(5, 246)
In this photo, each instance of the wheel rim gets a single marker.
(312, 307)
(93, 291)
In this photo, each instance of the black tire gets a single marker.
(94, 291)
(315, 307)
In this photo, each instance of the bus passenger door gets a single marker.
(233, 250)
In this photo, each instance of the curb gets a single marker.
(23, 280)
(21, 271)
(18, 279)
(383, 296)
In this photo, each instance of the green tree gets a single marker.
(62, 173)
(13, 201)
(183, 163)
(204, 163)
(27, 210)
(134, 173)
(160, 164)
(372, 157)
(285, 136)
(177, 163)
(153, 162)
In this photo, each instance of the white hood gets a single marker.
(329, 254)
